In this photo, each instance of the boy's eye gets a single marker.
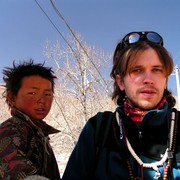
(33, 93)
(48, 94)
(45, 94)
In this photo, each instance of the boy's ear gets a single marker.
(10, 99)
(120, 82)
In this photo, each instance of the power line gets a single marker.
(57, 30)
(67, 24)
(60, 15)
(53, 24)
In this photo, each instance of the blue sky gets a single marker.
(24, 29)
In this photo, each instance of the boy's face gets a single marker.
(34, 97)
(146, 80)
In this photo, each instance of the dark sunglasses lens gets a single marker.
(154, 37)
(133, 38)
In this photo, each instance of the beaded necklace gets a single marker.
(168, 155)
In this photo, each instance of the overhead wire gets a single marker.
(54, 26)
(67, 24)
(60, 15)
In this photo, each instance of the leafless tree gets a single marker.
(83, 88)
(83, 77)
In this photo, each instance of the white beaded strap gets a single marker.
(172, 129)
(153, 165)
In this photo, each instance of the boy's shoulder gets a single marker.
(15, 124)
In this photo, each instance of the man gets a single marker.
(140, 140)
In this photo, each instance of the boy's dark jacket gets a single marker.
(25, 149)
(91, 161)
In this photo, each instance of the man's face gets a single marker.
(34, 97)
(145, 81)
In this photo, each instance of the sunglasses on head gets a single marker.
(135, 37)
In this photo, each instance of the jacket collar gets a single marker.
(153, 117)
(45, 128)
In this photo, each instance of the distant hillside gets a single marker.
(70, 125)
(4, 113)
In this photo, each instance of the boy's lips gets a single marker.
(40, 110)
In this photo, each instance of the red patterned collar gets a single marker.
(136, 114)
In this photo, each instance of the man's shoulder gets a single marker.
(100, 116)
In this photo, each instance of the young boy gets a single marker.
(24, 141)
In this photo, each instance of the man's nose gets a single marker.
(148, 78)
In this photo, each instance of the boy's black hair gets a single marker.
(13, 76)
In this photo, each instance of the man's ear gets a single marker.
(120, 82)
